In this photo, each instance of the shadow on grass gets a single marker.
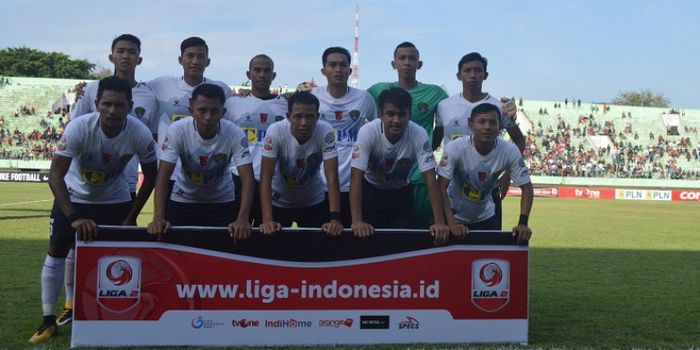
(579, 298)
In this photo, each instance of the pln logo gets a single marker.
(118, 283)
(490, 284)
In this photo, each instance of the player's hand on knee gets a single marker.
(239, 230)
(458, 230)
(362, 229)
(522, 234)
(85, 228)
(441, 232)
(158, 227)
(270, 227)
(332, 228)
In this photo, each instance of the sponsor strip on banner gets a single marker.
(13, 176)
(586, 192)
(550, 192)
(406, 291)
(636, 194)
(686, 195)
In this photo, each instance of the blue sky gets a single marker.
(548, 50)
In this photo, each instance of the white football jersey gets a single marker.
(387, 165)
(145, 109)
(296, 182)
(203, 176)
(453, 116)
(254, 115)
(346, 115)
(96, 172)
(473, 176)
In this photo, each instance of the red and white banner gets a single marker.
(686, 195)
(155, 293)
(586, 192)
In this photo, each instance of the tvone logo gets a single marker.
(490, 284)
(245, 323)
(118, 282)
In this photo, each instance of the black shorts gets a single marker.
(201, 214)
(62, 234)
(492, 223)
(311, 216)
(387, 208)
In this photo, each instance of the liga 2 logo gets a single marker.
(490, 284)
(118, 282)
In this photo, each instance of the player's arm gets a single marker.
(240, 229)
(438, 134)
(522, 231)
(359, 227)
(456, 228)
(159, 225)
(438, 229)
(330, 168)
(85, 228)
(267, 168)
(517, 137)
(150, 172)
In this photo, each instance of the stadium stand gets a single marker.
(586, 140)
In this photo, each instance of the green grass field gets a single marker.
(604, 274)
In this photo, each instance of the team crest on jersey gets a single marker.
(278, 118)
(404, 163)
(219, 157)
(125, 158)
(338, 115)
(482, 176)
(106, 158)
(389, 163)
(300, 163)
(354, 115)
(140, 111)
(422, 107)
(263, 117)
(203, 161)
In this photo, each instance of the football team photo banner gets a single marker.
(196, 287)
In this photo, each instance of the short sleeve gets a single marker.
(171, 144)
(272, 141)
(424, 153)
(328, 141)
(147, 147)
(449, 159)
(240, 150)
(362, 148)
(518, 170)
(69, 145)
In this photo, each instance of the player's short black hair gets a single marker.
(209, 91)
(264, 56)
(334, 49)
(193, 41)
(302, 98)
(127, 37)
(405, 44)
(114, 84)
(474, 56)
(396, 96)
(484, 108)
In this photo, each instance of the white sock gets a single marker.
(69, 276)
(51, 277)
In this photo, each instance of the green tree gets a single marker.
(642, 98)
(26, 62)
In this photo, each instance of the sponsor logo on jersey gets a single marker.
(338, 115)
(62, 143)
(244, 141)
(268, 145)
(490, 284)
(165, 145)
(93, 177)
(409, 323)
(263, 117)
(354, 115)
(118, 282)
(279, 117)
(330, 137)
(426, 146)
(443, 161)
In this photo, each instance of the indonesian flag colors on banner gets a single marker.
(174, 294)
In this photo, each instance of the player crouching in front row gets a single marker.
(388, 147)
(203, 193)
(469, 171)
